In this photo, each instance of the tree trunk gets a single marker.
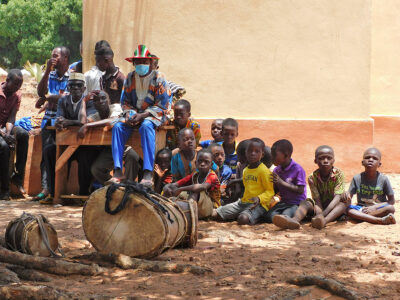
(49, 265)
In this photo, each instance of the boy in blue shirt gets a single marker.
(216, 133)
(230, 131)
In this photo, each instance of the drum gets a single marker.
(189, 208)
(32, 235)
(127, 219)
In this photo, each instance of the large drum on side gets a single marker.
(24, 234)
(142, 228)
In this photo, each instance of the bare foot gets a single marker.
(318, 222)
(285, 222)
(388, 220)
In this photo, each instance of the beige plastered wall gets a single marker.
(254, 59)
(385, 58)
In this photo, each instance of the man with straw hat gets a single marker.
(146, 99)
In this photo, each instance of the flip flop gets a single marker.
(39, 197)
(114, 180)
(147, 183)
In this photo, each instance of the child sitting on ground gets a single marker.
(182, 120)
(328, 200)
(162, 169)
(230, 131)
(235, 187)
(258, 190)
(183, 162)
(224, 172)
(289, 180)
(216, 130)
(375, 197)
(203, 186)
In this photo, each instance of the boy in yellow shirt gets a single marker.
(258, 190)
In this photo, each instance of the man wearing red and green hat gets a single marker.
(146, 99)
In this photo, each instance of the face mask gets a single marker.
(142, 69)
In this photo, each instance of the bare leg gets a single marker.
(358, 215)
(336, 212)
(243, 219)
(285, 222)
(304, 208)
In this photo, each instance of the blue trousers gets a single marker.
(121, 134)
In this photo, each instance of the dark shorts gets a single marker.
(281, 209)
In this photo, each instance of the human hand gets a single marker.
(40, 102)
(276, 179)
(10, 139)
(60, 123)
(81, 132)
(51, 64)
(345, 198)
(159, 172)
(35, 131)
(366, 210)
(138, 118)
(256, 201)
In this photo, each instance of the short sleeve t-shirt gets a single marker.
(293, 174)
(371, 192)
(326, 190)
(257, 183)
(214, 191)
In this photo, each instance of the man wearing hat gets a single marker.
(68, 108)
(146, 100)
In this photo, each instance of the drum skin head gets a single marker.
(33, 239)
(137, 230)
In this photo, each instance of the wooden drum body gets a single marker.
(142, 228)
(23, 234)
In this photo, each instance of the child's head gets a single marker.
(181, 112)
(163, 158)
(267, 158)
(216, 130)
(324, 158)
(186, 140)
(204, 161)
(218, 154)
(254, 150)
(281, 152)
(371, 159)
(230, 130)
(241, 151)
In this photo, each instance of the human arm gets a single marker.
(43, 84)
(170, 190)
(298, 189)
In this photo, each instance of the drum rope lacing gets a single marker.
(25, 217)
(131, 187)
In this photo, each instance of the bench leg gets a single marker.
(62, 157)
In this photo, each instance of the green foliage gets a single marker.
(30, 29)
(35, 70)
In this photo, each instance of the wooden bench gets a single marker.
(67, 143)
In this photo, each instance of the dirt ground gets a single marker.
(249, 262)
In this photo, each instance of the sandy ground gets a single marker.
(248, 262)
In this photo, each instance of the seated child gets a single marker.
(216, 129)
(235, 188)
(203, 185)
(289, 180)
(258, 190)
(183, 162)
(375, 197)
(182, 120)
(229, 133)
(162, 169)
(218, 155)
(328, 200)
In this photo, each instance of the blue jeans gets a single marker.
(121, 134)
